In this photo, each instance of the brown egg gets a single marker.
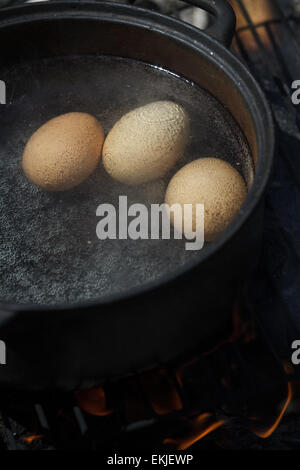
(64, 151)
(145, 143)
(211, 182)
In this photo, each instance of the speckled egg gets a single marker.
(63, 152)
(146, 143)
(214, 183)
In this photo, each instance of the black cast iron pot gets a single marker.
(78, 346)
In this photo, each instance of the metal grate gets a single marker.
(271, 50)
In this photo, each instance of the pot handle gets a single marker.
(223, 27)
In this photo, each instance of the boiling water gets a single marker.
(49, 251)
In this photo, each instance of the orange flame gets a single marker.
(31, 438)
(269, 431)
(93, 401)
(202, 426)
(162, 393)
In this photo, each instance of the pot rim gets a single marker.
(201, 43)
